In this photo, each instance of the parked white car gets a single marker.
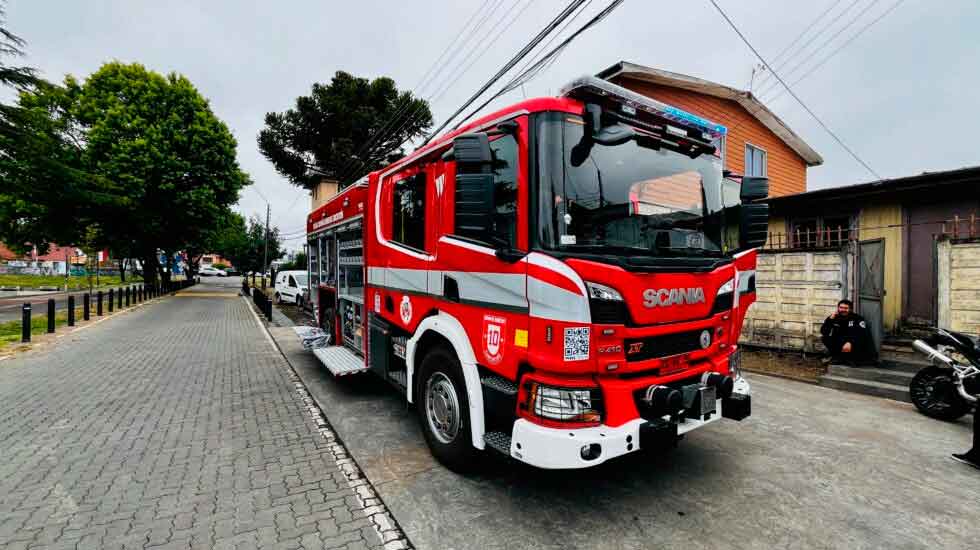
(291, 287)
(208, 271)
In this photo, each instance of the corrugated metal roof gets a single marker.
(742, 97)
(931, 180)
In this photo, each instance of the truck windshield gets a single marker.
(625, 200)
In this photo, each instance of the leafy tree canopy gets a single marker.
(253, 255)
(342, 130)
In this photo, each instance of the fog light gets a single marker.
(591, 452)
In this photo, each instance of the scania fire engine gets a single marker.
(563, 280)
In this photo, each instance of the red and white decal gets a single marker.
(405, 310)
(494, 331)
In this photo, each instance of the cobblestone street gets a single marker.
(176, 425)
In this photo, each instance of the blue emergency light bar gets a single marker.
(585, 86)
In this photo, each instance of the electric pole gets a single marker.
(265, 256)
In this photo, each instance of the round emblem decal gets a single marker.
(494, 329)
(405, 310)
(705, 339)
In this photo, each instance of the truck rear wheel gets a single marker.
(443, 410)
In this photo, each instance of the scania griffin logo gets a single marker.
(653, 297)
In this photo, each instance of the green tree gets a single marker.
(253, 258)
(342, 130)
(172, 161)
(46, 196)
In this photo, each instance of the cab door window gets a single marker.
(408, 225)
(505, 161)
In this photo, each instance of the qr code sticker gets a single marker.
(576, 343)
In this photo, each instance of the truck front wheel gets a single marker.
(444, 410)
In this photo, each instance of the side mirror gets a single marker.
(474, 186)
(754, 188)
(753, 225)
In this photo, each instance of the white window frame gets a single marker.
(765, 159)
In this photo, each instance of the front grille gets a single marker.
(652, 347)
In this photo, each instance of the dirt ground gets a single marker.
(794, 366)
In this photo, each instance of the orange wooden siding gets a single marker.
(786, 169)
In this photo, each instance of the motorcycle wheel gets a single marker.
(933, 392)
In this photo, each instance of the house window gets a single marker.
(755, 161)
(408, 212)
(820, 232)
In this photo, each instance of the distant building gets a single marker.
(758, 142)
(905, 250)
(54, 260)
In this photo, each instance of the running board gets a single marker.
(340, 361)
(498, 441)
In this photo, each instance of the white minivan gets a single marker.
(291, 287)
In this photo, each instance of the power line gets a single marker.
(839, 48)
(427, 78)
(806, 30)
(840, 31)
(791, 92)
(510, 64)
(547, 59)
(483, 46)
(766, 79)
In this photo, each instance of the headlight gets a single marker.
(727, 287)
(565, 404)
(606, 305)
(603, 292)
(725, 297)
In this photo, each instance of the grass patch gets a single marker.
(10, 331)
(74, 282)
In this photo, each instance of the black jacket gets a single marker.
(852, 328)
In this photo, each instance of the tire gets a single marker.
(933, 392)
(443, 409)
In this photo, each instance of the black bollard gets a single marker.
(50, 315)
(86, 305)
(119, 297)
(98, 304)
(25, 322)
(71, 311)
(141, 293)
(112, 299)
(127, 296)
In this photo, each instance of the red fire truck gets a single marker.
(563, 280)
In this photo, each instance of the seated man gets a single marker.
(847, 336)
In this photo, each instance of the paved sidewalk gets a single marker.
(174, 426)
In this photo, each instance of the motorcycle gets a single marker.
(948, 388)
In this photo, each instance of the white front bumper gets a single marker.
(555, 448)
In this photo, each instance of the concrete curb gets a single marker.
(370, 501)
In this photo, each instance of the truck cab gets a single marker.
(563, 280)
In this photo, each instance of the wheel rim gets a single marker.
(935, 394)
(442, 407)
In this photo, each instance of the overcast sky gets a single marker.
(903, 95)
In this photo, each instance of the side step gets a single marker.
(498, 441)
(500, 384)
(340, 361)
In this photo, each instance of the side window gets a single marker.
(408, 212)
(755, 161)
(292, 282)
(505, 188)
